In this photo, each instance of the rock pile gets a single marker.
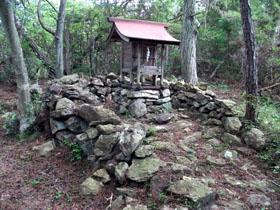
(140, 102)
(205, 102)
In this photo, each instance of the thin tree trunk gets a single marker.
(24, 100)
(251, 68)
(59, 39)
(188, 46)
(67, 51)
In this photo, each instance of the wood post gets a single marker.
(121, 62)
(138, 63)
(162, 63)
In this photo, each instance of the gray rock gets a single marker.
(98, 114)
(165, 146)
(153, 94)
(214, 142)
(112, 76)
(137, 108)
(64, 135)
(165, 93)
(102, 176)
(89, 98)
(118, 203)
(192, 138)
(231, 139)
(45, 148)
(162, 100)
(232, 124)
(211, 132)
(96, 82)
(135, 207)
(230, 154)
(131, 138)
(120, 171)
(64, 108)
(226, 103)
(105, 144)
(69, 79)
(213, 121)
(56, 125)
(193, 189)
(109, 129)
(234, 182)
(142, 170)
(82, 137)
(179, 168)
(144, 151)
(92, 133)
(255, 138)
(215, 161)
(163, 118)
(85, 143)
(76, 124)
(127, 191)
(90, 187)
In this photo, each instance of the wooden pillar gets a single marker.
(121, 63)
(131, 68)
(162, 63)
(138, 63)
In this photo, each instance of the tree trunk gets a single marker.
(59, 70)
(251, 68)
(24, 100)
(188, 45)
(67, 48)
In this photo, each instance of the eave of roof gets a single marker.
(141, 30)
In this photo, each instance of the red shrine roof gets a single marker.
(127, 29)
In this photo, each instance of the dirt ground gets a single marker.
(28, 181)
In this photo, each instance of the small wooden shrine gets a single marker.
(143, 48)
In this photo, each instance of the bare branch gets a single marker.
(52, 32)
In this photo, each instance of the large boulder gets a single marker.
(109, 129)
(137, 108)
(163, 118)
(232, 124)
(194, 189)
(144, 151)
(64, 108)
(131, 138)
(90, 187)
(254, 138)
(120, 171)
(105, 144)
(69, 79)
(76, 124)
(102, 175)
(45, 149)
(98, 114)
(56, 125)
(142, 170)
(231, 139)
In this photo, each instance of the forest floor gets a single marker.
(28, 181)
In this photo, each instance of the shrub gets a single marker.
(10, 123)
(75, 149)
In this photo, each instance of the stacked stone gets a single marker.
(203, 101)
(77, 116)
(140, 102)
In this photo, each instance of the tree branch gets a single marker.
(35, 48)
(49, 30)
